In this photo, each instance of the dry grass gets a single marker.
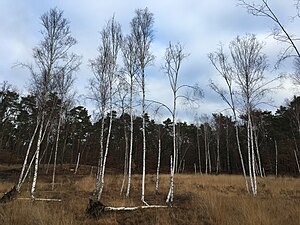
(215, 200)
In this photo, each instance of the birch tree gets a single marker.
(249, 64)
(174, 56)
(221, 63)
(106, 71)
(64, 80)
(142, 34)
(51, 57)
(130, 69)
(99, 87)
(158, 159)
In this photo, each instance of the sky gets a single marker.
(199, 25)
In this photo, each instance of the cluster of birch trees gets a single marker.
(247, 140)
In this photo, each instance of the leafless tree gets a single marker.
(105, 71)
(142, 34)
(220, 61)
(244, 69)
(123, 92)
(174, 56)
(249, 64)
(64, 80)
(130, 69)
(280, 32)
(99, 86)
(51, 59)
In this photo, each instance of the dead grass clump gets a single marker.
(28, 213)
(86, 184)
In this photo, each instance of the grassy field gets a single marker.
(199, 199)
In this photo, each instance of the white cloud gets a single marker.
(198, 25)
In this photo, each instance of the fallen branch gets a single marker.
(96, 208)
(42, 199)
(107, 208)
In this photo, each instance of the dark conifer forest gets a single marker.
(197, 143)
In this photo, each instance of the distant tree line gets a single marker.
(207, 146)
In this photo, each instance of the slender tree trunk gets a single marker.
(297, 161)
(218, 154)
(107, 140)
(295, 154)
(56, 148)
(46, 148)
(257, 153)
(77, 163)
(158, 165)
(241, 155)
(39, 141)
(206, 150)
(170, 193)
(28, 168)
(100, 162)
(227, 149)
(249, 153)
(171, 190)
(276, 159)
(26, 157)
(144, 139)
(131, 138)
(63, 152)
(49, 160)
(177, 149)
(125, 158)
(253, 158)
(199, 152)
(209, 157)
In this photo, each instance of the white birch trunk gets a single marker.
(249, 153)
(49, 160)
(170, 193)
(258, 154)
(56, 148)
(28, 168)
(131, 138)
(39, 141)
(107, 143)
(297, 161)
(173, 159)
(77, 163)
(241, 156)
(206, 150)
(218, 154)
(26, 157)
(125, 158)
(209, 158)
(100, 162)
(253, 159)
(276, 159)
(158, 166)
(144, 140)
